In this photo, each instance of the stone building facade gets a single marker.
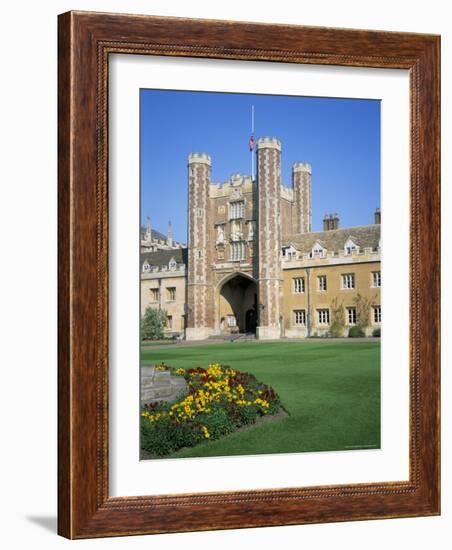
(252, 263)
(335, 272)
(163, 285)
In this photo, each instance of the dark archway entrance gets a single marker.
(238, 305)
(251, 320)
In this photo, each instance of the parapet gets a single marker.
(268, 143)
(199, 158)
(240, 182)
(287, 193)
(301, 167)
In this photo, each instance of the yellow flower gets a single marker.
(206, 432)
(161, 367)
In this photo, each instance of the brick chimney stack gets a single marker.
(330, 221)
(377, 216)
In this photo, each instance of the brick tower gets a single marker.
(199, 277)
(301, 181)
(268, 151)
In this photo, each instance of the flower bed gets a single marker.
(220, 401)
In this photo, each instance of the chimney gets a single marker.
(336, 221)
(330, 221)
(377, 216)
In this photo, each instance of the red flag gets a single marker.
(251, 143)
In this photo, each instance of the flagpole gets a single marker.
(252, 150)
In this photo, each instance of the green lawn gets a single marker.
(330, 389)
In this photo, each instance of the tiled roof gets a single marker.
(364, 236)
(155, 234)
(163, 257)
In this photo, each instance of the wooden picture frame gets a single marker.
(86, 40)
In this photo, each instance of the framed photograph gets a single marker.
(248, 275)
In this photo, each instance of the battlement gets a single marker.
(226, 188)
(301, 167)
(268, 143)
(331, 257)
(199, 158)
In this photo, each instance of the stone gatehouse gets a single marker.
(252, 263)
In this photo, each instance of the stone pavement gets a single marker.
(160, 386)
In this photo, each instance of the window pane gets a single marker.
(299, 284)
(300, 317)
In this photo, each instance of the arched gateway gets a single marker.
(237, 304)
(235, 228)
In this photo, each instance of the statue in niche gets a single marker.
(220, 234)
(251, 230)
(236, 230)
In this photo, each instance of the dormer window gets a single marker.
(172, 264)
(317, 251)
(350, 246)
(146, 267)
(289, 252)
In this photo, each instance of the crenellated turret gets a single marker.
(268, 143)
(199, 158)
(199, 275)
(269, 237)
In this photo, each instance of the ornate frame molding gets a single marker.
(85, 42)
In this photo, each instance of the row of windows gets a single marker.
(348, 279)
(347, 282)
(170, 294)
(323, 316)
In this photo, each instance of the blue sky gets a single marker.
(340, 138)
